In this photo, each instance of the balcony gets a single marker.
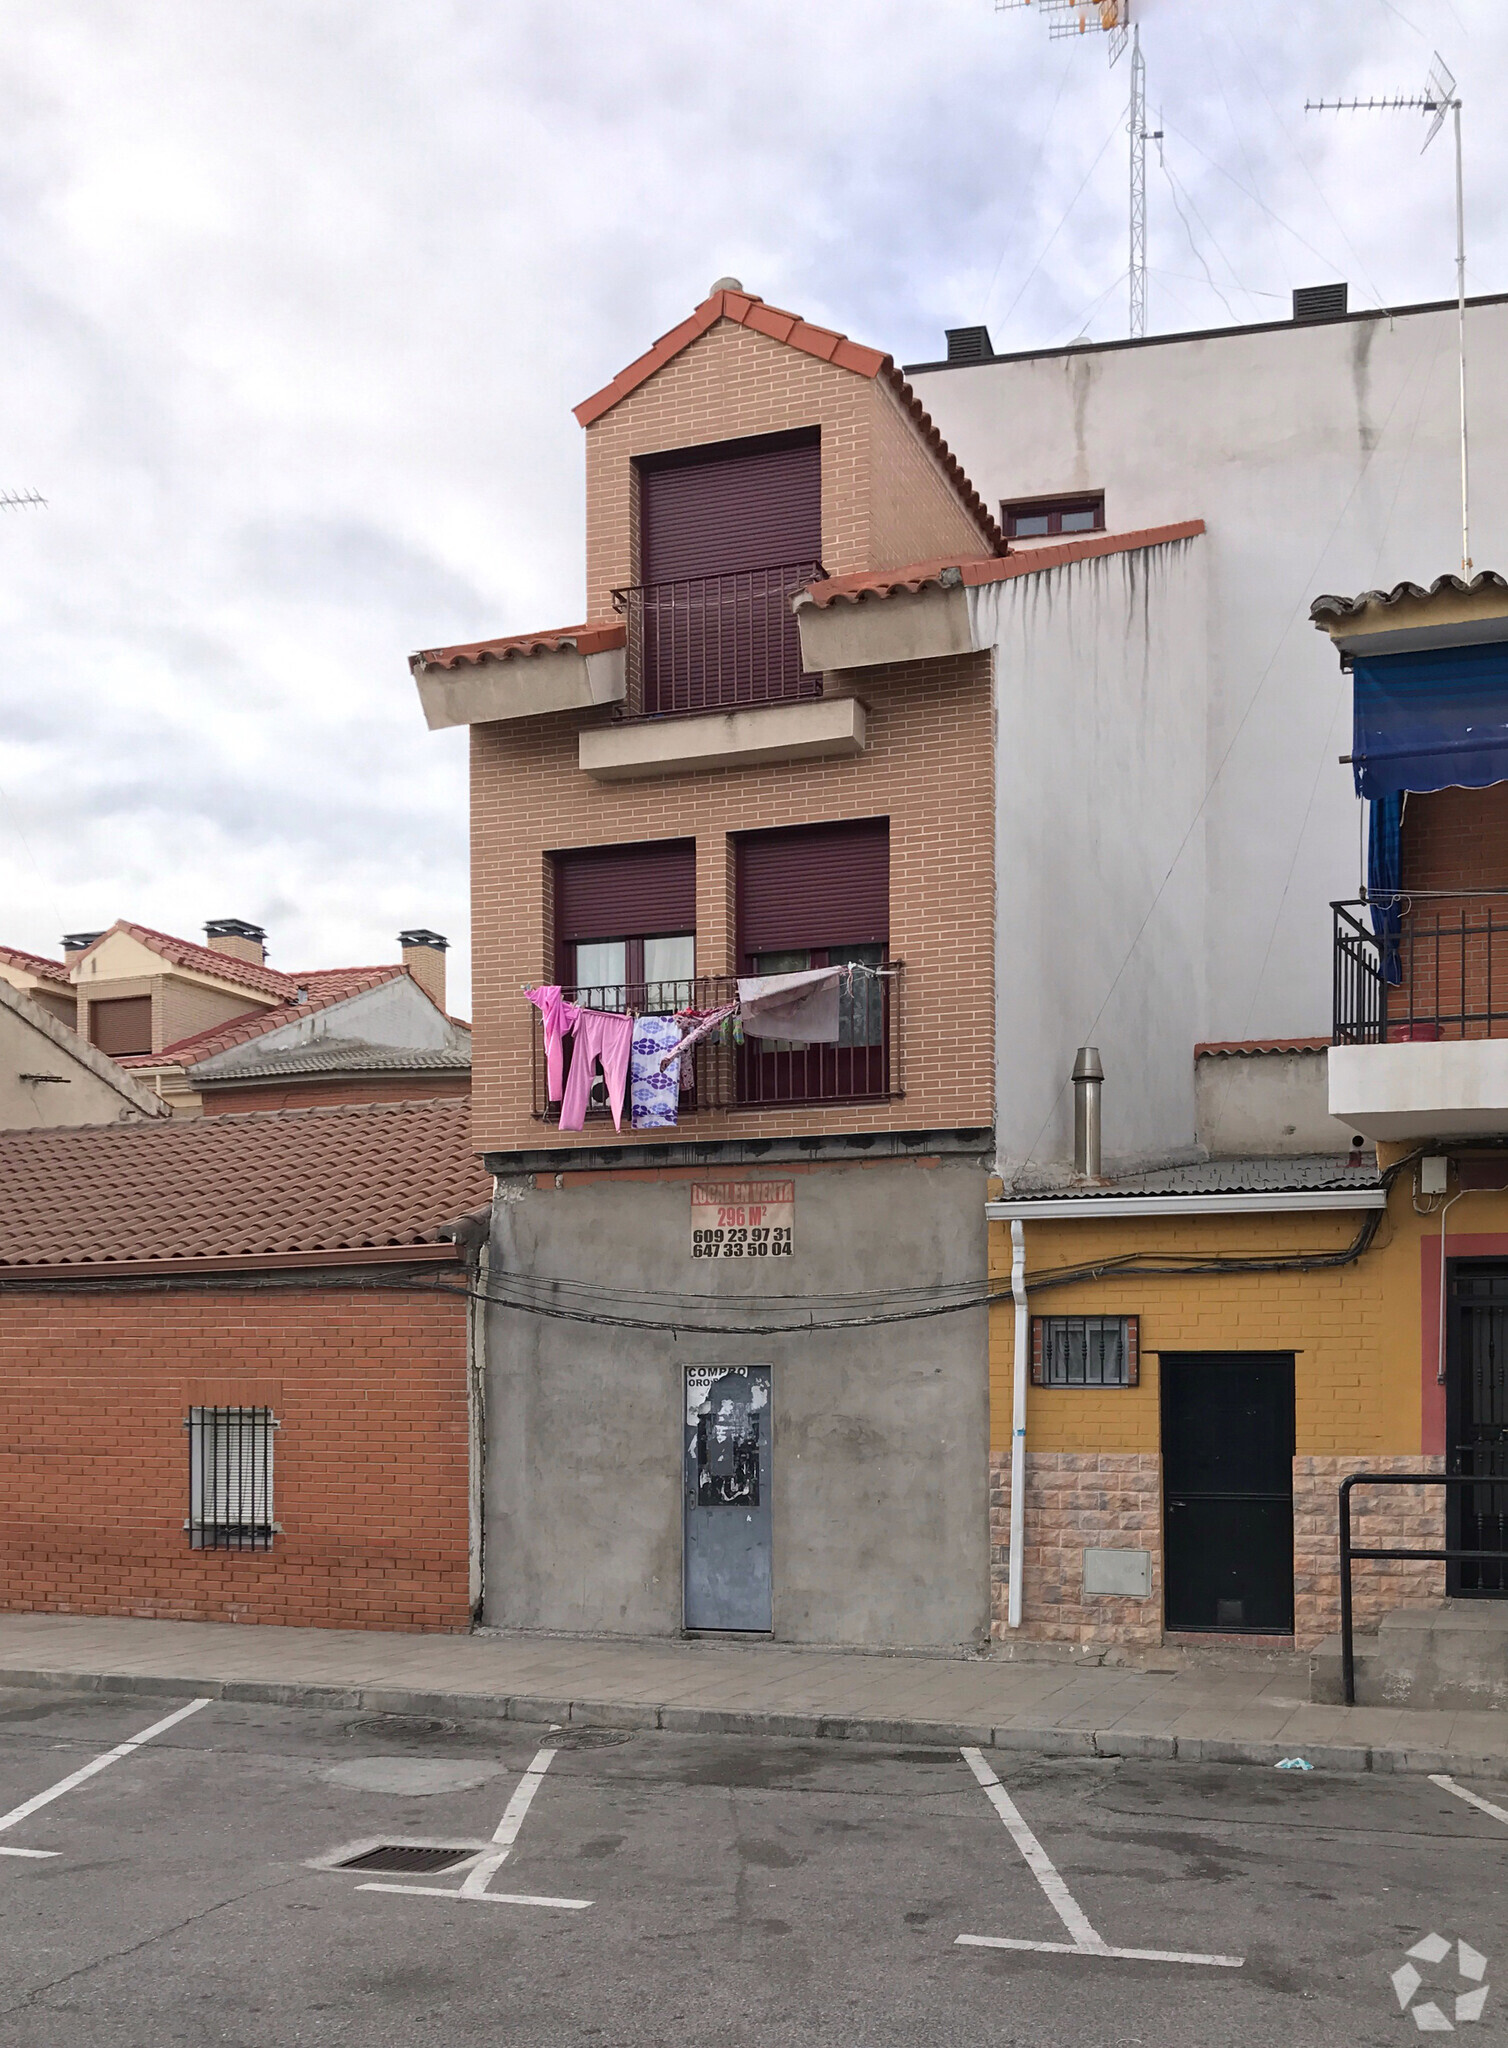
(1421, 1018)
(716, 643)
(715, 679)
(719, 1077)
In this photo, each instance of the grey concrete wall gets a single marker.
(880, 1436)
(1255, 1104)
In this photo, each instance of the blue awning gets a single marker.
(1437, 719)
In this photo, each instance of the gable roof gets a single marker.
(34, 963)
(359, 1178)
(744, 309)
(334, 1056)
(199, 959)
(322, 990)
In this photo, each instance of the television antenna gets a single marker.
(1112, 18)
(1438, 99)
(11, 501)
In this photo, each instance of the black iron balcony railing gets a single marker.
(1441, 972)
(719, 1075)
(715, 643)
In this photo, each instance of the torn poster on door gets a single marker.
(743, 1219)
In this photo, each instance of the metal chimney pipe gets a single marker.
(1088, 1080)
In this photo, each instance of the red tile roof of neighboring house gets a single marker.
(951, 575)
(1245, 1048)
(201, 959)
(745, 310)
(354, 1178)
(325, 987)
(34, 963)
(589, 639)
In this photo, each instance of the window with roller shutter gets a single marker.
(727, 535)
(625, 921)
(818, 896)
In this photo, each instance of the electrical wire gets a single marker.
(1194, 249)
(1063, 222)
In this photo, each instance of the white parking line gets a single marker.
(1085, 1940)
(1486, 1805)
(91, 1770)
(491, 1862)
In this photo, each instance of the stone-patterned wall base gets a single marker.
(1381, 1516)
(1077, 1501)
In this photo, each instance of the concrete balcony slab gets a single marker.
(1450, 1088)
(724, 739)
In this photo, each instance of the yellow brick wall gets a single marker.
(1354, 1329)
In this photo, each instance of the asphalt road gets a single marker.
(741, 1891)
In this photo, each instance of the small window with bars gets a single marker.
(1085, 1351)
(230, 1478)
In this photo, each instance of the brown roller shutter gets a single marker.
(616, 892)
(121, 1025)
(724, 510)
(819, 885)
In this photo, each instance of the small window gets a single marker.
(1084, 1351)
(230, 1478)
(1040, 518)
(121, 1025)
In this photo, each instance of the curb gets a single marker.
(1024, 1738)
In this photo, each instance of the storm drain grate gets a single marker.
(400, 1856)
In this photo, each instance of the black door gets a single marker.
(1227, 1466)
(1476, 1424)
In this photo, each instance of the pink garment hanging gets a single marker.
(604, 1035)
(559, 1020)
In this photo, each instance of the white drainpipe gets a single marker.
(1019, 1374)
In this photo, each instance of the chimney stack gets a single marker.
(424, 957)
(79, 942)
(235, 936)
(1088, 1080)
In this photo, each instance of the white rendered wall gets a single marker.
(1100, 747)
(1322, 458)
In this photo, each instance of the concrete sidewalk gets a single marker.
(1227, 1707)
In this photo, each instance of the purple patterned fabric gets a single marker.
(655, 1079)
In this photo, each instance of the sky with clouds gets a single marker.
(295, 300)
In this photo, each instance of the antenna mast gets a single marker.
(1438, 98)
(1113, 18)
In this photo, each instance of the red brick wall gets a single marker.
(314, 1094)
(1455, 948)
(370, 1463)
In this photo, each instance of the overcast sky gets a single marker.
(297, 297)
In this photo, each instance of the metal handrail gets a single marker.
(1442, 973)
(1348, 1555)
(709, 643)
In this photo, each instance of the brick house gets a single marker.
(214, 1028)
(770, 748)
(236, 1367)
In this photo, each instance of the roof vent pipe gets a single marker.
(1088, 1080)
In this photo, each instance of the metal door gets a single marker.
(727, 1497)
(1227, 1461)
(1477, 1425)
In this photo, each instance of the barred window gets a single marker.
(230, 1478)
(1084, 1351)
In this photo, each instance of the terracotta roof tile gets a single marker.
(970, 574)
(829, 347)
(1332, 607)
(324, 986)
(588, 639)
(1246, 1048)
(351, 1178)
(202, 959)
(34, 963)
